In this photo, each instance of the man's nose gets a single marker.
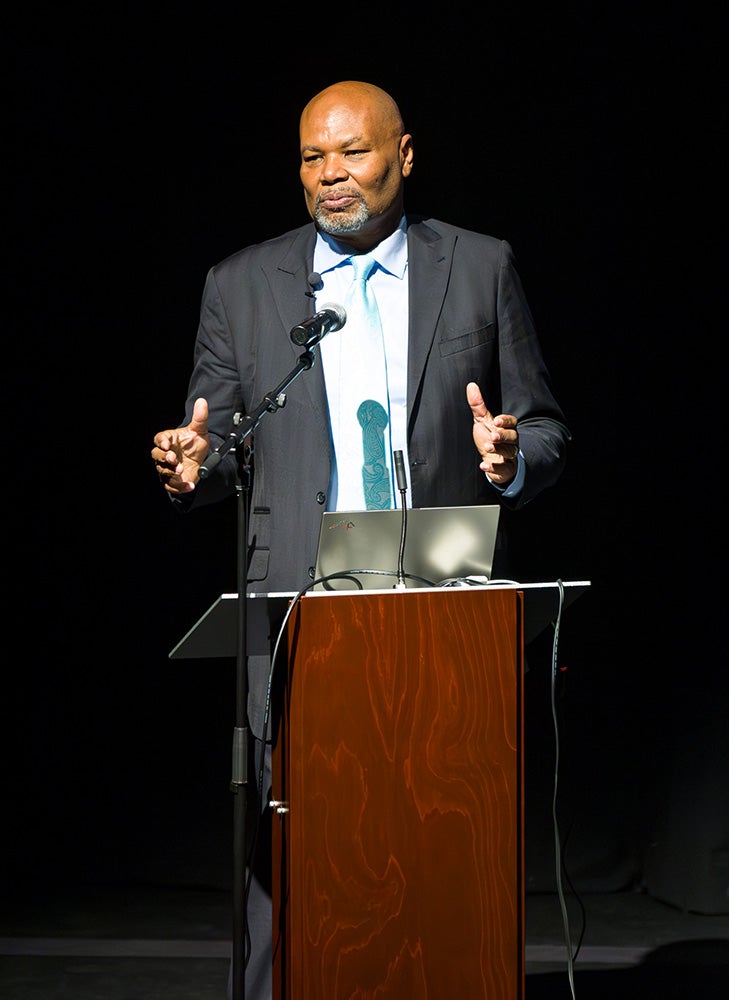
(334, 167)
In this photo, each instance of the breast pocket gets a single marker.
(471, 340)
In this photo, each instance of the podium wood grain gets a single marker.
(398, 868)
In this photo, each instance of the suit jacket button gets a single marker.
(311, 572)
(321, 497)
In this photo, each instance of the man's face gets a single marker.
(352, 167)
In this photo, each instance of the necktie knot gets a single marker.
(361, 303)
(363, 265)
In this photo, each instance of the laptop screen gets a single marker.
(441, 544)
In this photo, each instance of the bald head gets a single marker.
(355, 156)
(358, 94)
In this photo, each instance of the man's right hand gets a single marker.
(178, 453)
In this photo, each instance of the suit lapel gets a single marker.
(429, 264)
(287, 278)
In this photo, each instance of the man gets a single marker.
(459, 346)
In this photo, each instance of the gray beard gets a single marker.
(342, 223)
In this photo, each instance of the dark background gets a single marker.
(148, 144)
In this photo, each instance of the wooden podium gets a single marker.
(398, 773)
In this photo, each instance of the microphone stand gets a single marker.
(243, 427)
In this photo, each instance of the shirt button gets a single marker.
(321, 497)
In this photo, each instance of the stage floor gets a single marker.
(141, 942)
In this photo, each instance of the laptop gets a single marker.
(442, 545)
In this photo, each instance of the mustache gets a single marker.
(337, 193)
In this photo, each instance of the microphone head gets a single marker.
(339, 314)
(402, 482)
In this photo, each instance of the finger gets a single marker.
(162, 441)
(497, 463)
(506, 420)
(475, 401)
(166, 463)
(165, 458)
(176, 485)
(199, 422)
(504, 452)
(165, 447)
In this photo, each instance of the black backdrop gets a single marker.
(147, 145)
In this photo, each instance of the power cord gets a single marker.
(555, 823)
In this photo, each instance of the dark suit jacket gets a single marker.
(469, 320)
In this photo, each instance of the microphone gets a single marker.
(402, 481)
(313, 281)
(330, 317)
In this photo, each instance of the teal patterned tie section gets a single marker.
(375, 475)
(372, 414)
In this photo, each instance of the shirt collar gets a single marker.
(391, 254)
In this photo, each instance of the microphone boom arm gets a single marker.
(243, 426)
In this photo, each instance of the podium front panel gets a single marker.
(398, 858)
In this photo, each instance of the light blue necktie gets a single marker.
(373, 411)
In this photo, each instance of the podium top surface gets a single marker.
(215, 633)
